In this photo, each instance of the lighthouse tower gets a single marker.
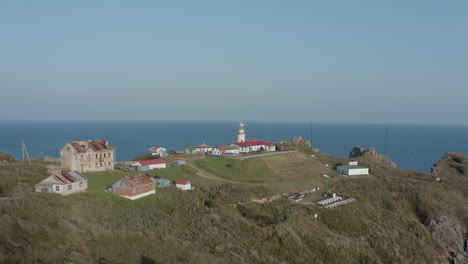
(241, 133)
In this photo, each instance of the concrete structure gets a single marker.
(181, 162)
(66, 183)
(151, 164)
(134, 187)
(333, 199)
(53, 169)
(352, 169)
(163, 183)
(87, 156)
(158, 151)
(232, 149)
(241, 133)
(184, 185)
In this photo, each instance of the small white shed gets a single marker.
(352, 169)
(184, 185)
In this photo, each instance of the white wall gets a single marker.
(157, 166)
(184, 186)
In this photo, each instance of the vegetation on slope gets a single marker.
(385, 225)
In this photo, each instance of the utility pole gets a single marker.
(386, 138)
(24, 151)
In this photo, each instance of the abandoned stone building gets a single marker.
(87, 156)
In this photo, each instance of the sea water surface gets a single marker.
(414, 147)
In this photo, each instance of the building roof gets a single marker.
(183, 182)
(253, 143)
(69, 177)
(83, 146)
(140, 179)
(350, 167)
(151, 162)
(53, 167)
(203, 146)
(154, 148)
(228, 147)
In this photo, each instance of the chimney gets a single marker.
(334, 195)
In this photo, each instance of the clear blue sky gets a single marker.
(326, 61)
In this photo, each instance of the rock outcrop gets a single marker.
(452, 236)
(359, 152)
(4, 157)
(300, 141)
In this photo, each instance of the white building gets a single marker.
(249, 145)
(151, 164)
(203, 148)
(158, 151)
(232, 149)
(241, 133)
(66, 183)
(184, 185)
(352, 169)
(87, 156)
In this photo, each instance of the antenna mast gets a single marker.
(311, 133)
(386, 138)
(24, 151)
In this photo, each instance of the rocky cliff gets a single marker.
(359, 152)
(4, 157)
(449, 232)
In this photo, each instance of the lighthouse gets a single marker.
(241, 133)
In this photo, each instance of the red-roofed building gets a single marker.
(255, 145)
(134, 187)
(158, 151)
(232, 149)
(184, 184)
(249, 145)
(151, 164)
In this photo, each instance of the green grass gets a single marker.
(249, 170)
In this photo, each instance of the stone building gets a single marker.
(87, 156)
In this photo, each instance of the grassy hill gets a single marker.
(287, 167)
(219, 223)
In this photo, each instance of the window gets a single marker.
(69, 187)
(109, 155)
(104, 155)
(100, 164)
(109, 163)
(96, 156)
(81, 184)
(81, 156)
(57, 188)
(116, 189)
(96, 165)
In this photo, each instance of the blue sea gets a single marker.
(414, 147)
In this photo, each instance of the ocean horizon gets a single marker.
(414, 147)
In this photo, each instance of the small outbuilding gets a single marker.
(352, 169)
(134, 187)
(184, 185)
(151, 164)
(158, 151)
(181, 162)
(63, 183)
(163, 183)
(53, 169)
